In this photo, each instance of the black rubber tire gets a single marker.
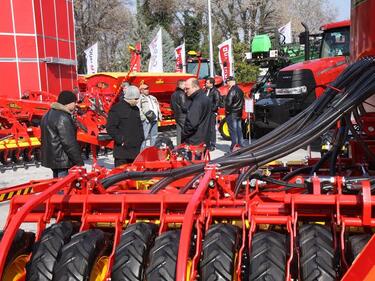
(132, 252)
(163, 257)
(220, 247)
(317, 256)
(22, 245)
(268, 256)
(356, 244)
(224, 135)
(79, 255)
(47, 250)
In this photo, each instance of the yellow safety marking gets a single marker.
(10, 195)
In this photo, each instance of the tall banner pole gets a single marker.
(210, 40)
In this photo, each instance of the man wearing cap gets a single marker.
(125, 127)
(234, 102)
(60, 149)
(150, 115)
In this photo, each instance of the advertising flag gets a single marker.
(226, 59)
(156, 50)
(180, 58)
(92, 59)
(286, 33)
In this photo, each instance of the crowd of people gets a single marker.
(133, 122)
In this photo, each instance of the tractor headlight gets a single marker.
(292, 91)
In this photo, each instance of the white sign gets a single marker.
(286, 33)
(249, 105)
(92, 59)
(156, 49)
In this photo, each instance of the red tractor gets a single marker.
(298, 85)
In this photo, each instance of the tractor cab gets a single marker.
(298, 85)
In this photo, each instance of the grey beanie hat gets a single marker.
(131, 93)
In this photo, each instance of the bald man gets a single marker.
(197, 124)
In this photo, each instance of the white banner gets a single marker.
(286, 33)
(180, 58)
(156, 49)
(92, 59)
(226, 59)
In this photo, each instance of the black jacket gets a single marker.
(197, 124)
(60, 149)
(214, 97)
(234, 102)
(125, 127)
(179, 106)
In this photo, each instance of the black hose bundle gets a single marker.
(355, 84)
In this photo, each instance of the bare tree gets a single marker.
(106, 22)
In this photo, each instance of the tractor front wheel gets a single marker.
(18, 254)
(132, 252)
(47, 250)
(220, 249)
(163, 257)
(85, 257)
(317, 255)
(268, 256)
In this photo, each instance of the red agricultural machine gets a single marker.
(177, 215)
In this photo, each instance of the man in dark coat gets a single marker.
(197, 124)
(179, 107)
(60, 149)
(125, 127)
(234, 103)
(213, 95)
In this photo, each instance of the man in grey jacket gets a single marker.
(150, 115)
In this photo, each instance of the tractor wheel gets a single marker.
(47, 250)
(163, 257)
(224, 129)
(18, 254)
(268, 256)
(317, 256)
(356, 244)
(132, 252)
(220, 249)
(85, 257)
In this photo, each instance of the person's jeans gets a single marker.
(151, 133)
(59, 173)
(235, 130)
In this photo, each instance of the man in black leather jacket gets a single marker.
(197, 124)
(60, 149)
(213, 95)
(179, 107)
(234, 103)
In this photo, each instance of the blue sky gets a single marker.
(343, 7)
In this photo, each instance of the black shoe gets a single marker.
(212, 148)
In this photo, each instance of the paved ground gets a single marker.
(21, 175)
